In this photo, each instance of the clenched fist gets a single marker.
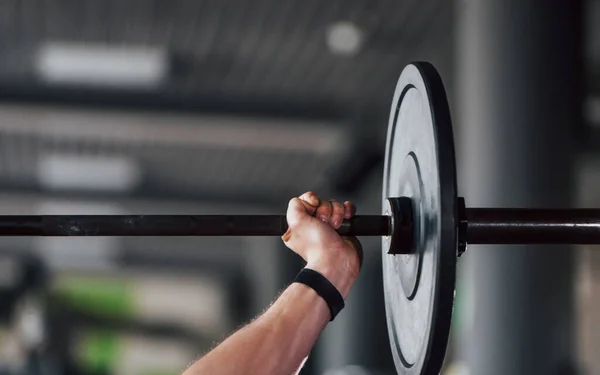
(312, 235)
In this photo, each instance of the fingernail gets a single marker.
(323, 218)
(336, 222)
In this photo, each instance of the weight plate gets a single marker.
(420, 164)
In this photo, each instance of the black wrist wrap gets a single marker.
(324, 288)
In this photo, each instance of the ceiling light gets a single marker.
(76, 172)
(344, 38)
(101, 65)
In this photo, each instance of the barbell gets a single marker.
(477, 225)
(424, 225)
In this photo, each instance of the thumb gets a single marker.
(296, 212)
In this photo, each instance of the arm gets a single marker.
(275, 343)
(280, 340)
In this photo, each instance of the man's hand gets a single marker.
(312, 223)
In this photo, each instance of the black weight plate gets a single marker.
(420, 163)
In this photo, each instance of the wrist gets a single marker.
(336, 272)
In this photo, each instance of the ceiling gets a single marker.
(265, 56)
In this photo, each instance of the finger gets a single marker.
(337, 215)
(324, 211)
(311, 202)
(311, 198)
(350, 209)
(308, 208)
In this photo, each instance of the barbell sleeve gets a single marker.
(533, 226)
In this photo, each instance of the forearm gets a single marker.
(275, 343)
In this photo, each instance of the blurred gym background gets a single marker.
(183, 106)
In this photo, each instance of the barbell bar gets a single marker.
(482, 225)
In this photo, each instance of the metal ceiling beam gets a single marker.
(135, 127)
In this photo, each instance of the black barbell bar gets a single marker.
(482, 225)
(173, 225)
